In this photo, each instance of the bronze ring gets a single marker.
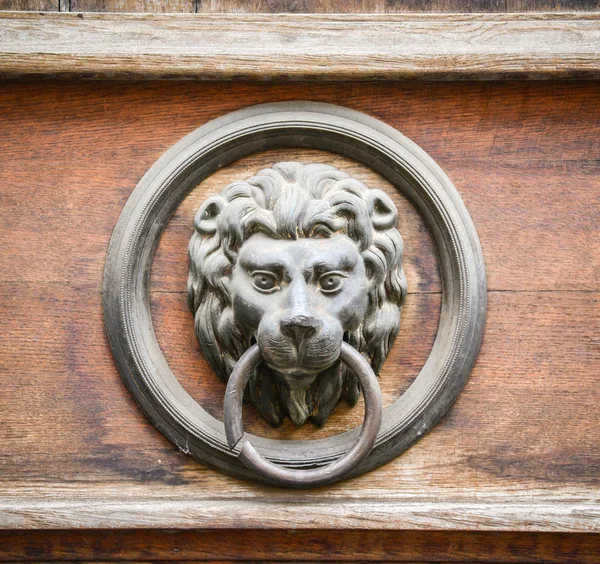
(300, 478)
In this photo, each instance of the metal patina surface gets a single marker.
(280, 287)
(280, 475)
(298, 258)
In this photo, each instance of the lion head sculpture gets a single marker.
(297, 259)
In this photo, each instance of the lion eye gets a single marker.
(265, 281)
(331, 282)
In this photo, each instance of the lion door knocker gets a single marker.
(300, 259)
(296, 287)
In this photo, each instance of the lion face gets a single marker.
(298, 299)
(297, 259)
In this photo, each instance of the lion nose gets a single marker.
(300, 327)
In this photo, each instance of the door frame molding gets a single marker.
(437, 46)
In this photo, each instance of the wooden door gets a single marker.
(509, 475)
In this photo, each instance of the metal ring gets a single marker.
(281, 475)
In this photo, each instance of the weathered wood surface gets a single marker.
(391, 6)
(302, 6)
(523, 155)
(29, 5)
(300, 46)
(150, 6)
(519, 450)
(302, 546)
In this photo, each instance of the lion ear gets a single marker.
(382, 210)
(206, 218)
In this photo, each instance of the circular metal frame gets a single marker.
(300, 125)
(276, 474)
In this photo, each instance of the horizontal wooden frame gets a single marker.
(300, 46)
(107, 512)
(313, 546)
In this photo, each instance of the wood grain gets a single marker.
(343, 546)
(301, 46)
(393, 6)
(302, 6)
(29, 5)
(68, 420)
(151, 6)
(522, 156)
(519, 450)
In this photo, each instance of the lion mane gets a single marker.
(289, 201)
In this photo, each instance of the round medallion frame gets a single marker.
(264, 127)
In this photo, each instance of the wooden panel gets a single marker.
(302, 6)
(392, 6)
(548, 5)
(67, 418)
(74, 446)
(300, 46)
(29, 5)
(524, 157)
(152, 6)
(299, 546)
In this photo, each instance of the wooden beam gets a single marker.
(300, 46)
(93, 512)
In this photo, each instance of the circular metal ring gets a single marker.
(289, 477)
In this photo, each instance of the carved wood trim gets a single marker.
(300, 46)
(119, 512)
